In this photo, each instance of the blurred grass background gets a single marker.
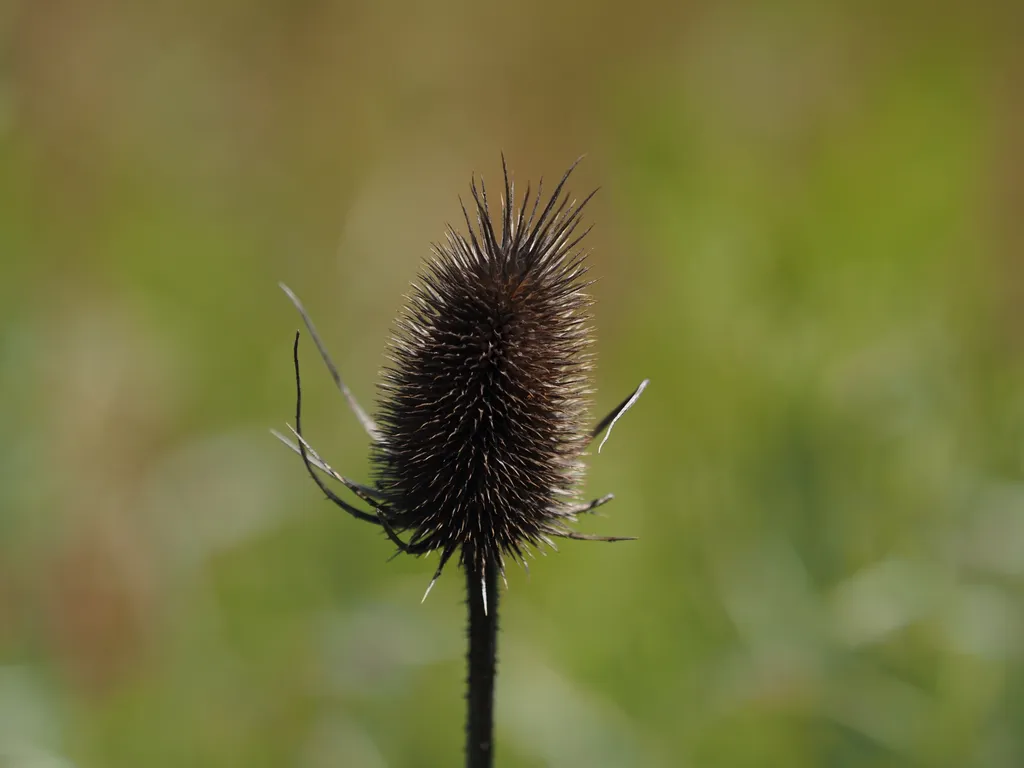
(809, 237)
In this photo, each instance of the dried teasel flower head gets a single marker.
(481, 427)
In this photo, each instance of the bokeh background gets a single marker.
(809, 236)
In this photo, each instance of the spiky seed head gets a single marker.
(482, 407)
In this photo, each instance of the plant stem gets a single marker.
(483, 637)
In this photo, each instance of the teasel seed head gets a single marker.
(478, 444)
(482, 406)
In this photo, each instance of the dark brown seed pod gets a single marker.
(481, 430)
(483, 407)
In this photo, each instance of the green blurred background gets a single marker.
(809, 237)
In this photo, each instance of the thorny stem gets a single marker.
(483, 637)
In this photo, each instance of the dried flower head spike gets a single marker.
(480, 435)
